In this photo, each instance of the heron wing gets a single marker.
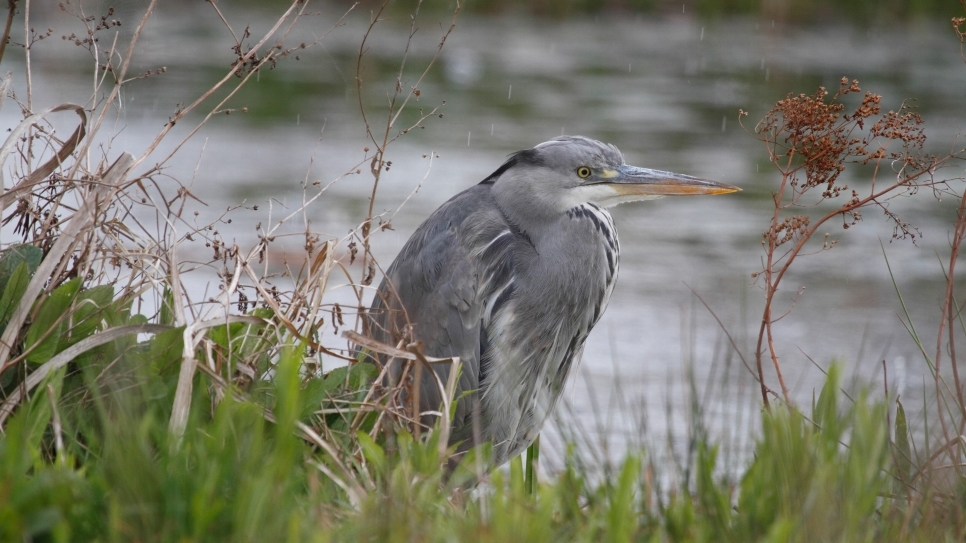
(448, 278)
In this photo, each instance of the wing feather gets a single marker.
(445, 282)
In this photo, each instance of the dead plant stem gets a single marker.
(948, 305)
(12, 5)
(771, 287)
(379, 157)
(377, 164)
(773, 278)
(115, 91)
(26, 49)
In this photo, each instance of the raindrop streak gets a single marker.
(468, 139)
(629, 67)
(682, 8)
(509, 93)
(298, 118)
(702, 34)
(491, 129)
(724, 122)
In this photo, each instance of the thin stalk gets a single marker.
(772, 279)
(948, 304)
(26, 48)
(910, 327)
(771, 287)
(12, 5)
(533, 458)
(379, 162)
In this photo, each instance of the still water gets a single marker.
(665, 90)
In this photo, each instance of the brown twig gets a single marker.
(379, 162)
(12, 10)
(947, 313)
(28, 44)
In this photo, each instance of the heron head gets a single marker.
(570, 170)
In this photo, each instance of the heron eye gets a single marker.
(583, 172)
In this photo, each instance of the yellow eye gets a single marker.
(583, 172)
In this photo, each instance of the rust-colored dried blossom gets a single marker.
(812, 139)
(904, 126)
(791, 228)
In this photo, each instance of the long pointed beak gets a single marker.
(632, 181)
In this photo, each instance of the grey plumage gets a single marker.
(510, 276)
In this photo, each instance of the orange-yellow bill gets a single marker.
(631, 180)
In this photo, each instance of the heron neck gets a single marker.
(529, 206)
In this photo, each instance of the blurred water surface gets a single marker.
(666, 91)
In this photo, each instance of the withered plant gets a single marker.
(812, 140)
(78, 261)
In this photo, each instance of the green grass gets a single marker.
(119, 474)
(90, 454)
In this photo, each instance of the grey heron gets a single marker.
(510, 276)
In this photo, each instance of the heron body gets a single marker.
(510, 276)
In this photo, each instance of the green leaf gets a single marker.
(166, 351)
(316, 391)
(242, 341)
(13, 292)
(38, 411)
(224, 333)
(826, 413)
(352, 378)
(15, 256)
(266, 313)
(361, 375)
(714, 499)
(342, 382)
(517, 484)
(903, 454)
(167, 308)
(622, 517)
(90, 310)
(533, 459)
(373, 452)
(45, 333)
